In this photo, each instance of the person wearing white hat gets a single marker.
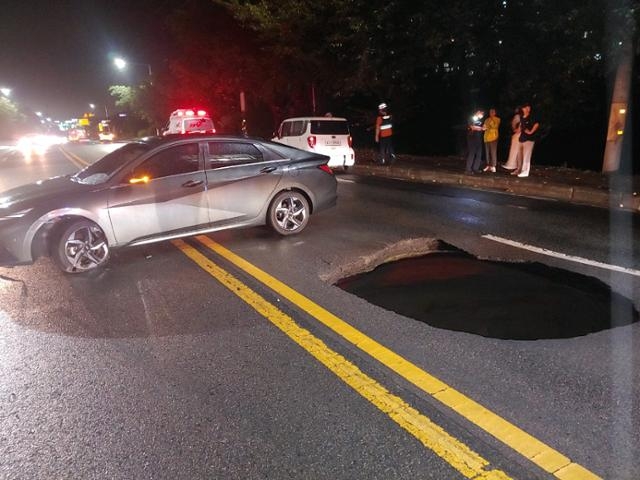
(384, 135)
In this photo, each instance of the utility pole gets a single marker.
(313, 97)
(622, 28)
(619, 110)
(243, 110)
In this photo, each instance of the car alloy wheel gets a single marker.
(81, 246)
(289, 212)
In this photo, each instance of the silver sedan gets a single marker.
(163, 188)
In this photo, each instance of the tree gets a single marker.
(434, 61)
(142, 103)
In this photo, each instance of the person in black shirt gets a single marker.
(474, 143)
(529, 126)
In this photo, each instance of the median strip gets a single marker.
(520, 441)
(454, 452)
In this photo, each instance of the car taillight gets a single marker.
(325, 168)
(350, 141)
(311, 140)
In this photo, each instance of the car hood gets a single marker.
(41, 193)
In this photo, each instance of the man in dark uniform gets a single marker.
(474, 143)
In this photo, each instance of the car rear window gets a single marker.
(197, 124)
(293, 129)
(329, 127)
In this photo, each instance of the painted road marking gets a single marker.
(563, 256)
(525, 444)
(454, 452)
(76, 160)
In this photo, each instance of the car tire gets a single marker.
(81, 246)
(289, 212)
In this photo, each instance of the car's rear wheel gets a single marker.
(289, 212)
(80, 247)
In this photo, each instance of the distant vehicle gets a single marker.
(184, 121)
(38, 143)
(325, 135)
(158, 189)
(104, 132)
(77, 135)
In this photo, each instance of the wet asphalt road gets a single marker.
(153, 370)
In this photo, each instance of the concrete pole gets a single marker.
(618, 111)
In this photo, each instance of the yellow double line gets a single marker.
(458, 455)
(76, 160)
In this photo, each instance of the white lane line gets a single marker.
(563, 256)
(345, 180)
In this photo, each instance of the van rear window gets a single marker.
(329, 127)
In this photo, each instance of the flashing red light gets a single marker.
(311, 141)
(202, 113)
(180, 113)
(189, 113)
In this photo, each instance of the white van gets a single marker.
(185, 120)
(326, 135)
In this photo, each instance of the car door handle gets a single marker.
(193, 183)
(268, 169)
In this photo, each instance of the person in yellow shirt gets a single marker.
(491, 129)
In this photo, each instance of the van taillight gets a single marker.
(311, 140)
(350, 141)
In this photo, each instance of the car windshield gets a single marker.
(329, 127)
(107, 166)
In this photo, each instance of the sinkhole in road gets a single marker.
(518, 301)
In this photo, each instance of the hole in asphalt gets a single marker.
(520, 301)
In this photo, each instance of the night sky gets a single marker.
(57, 56)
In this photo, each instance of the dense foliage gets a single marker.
(433, 62)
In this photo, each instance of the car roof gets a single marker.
(173, 137)
(328, 119)
(285, 150)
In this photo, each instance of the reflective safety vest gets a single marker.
(384, 125)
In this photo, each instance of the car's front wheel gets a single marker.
(289, 212)
(81, 246)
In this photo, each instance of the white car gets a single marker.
(325, 135)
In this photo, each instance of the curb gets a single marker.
(526, 187)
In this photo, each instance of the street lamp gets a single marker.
(121, 64)
(92, 106)
(5, 91)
